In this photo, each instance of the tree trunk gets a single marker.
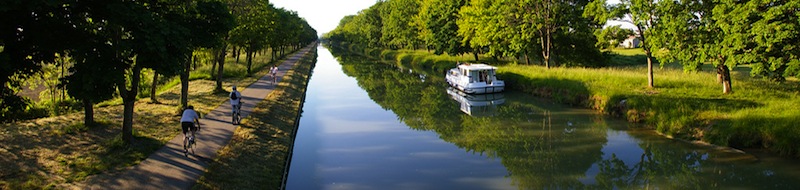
(63, 87)
(214, 67)
(475, 54)
(236, 54)
(650, 83)
(273, 54)
(724, 77)
(546, 44)
(185, 84)
(129, 100)
(221, 61)
(153, 88)
(649, 55)
(527, 58)
(88, 113)
(194, 62)
(249, 54)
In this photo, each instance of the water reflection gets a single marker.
(547, 146)
(477, 104)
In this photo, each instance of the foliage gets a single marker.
(483, 23)
(26, 36)
(398, 30)
(640, 13)
(611, 36)
(364, 28)
(67, 151)
(762, 33)
(438, 18)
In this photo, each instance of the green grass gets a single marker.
(687, 105)
(256, 156)
(60, 152)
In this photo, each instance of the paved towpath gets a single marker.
(168, 168)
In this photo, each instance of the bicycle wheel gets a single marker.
(192, 142)
(185, 148)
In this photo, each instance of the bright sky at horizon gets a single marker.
(324, 15)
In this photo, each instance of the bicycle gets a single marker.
(236, 116)
(189, 140)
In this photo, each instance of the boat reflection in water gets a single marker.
(477, 104)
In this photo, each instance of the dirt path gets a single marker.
(168, 168)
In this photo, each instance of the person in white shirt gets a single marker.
(274, 72)
(236, 99)
(188, 120)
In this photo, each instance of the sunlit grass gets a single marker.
(687, 105)
(57, 152)
(257, 153)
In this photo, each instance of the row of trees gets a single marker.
(111, 42)
(554, 32)
(725, 33)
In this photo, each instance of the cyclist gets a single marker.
(188, 120)
(236, 100)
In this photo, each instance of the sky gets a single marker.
(324, 15)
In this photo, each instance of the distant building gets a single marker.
(631, 42)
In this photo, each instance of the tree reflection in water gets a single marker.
(545, 146)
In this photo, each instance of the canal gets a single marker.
(372, 125)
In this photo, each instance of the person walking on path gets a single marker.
(274, 72)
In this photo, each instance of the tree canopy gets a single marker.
(112, 41)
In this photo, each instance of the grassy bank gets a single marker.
(689, 106)
(256, 155)
(55, 152)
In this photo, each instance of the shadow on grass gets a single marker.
(563, 91)
(683, 117)
(776, 133)
(626, 60)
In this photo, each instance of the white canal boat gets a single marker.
(475, 79)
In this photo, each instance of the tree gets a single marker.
(689, 34)
(539, 17)
(611, 36)
(762, 33)
(438, 19)
(398, 29)
(640, 13)
(209, 22)
(484, 23)
(26, 43)
(514, 27)
(254, 23)
(89, 82)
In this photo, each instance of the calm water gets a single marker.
(369, 125)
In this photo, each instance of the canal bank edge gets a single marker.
(259, 153)
(613, 106)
